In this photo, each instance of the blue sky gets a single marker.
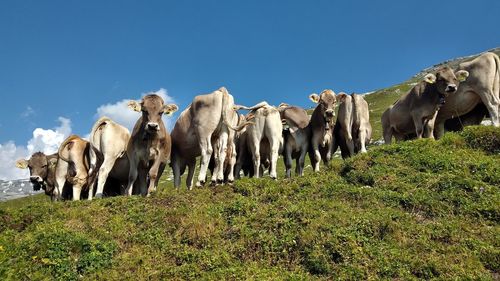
(68, 58)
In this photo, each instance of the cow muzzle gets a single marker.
(153, 127)
(36, 179)
(451, 88)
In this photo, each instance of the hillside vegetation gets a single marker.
(418, 209)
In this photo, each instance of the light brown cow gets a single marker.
(148, 149)
(483, 85)
(206, 126)
(264, 136)
(110, 140)
(352, 130)
(416, 111)
(42, 172)
(74, 166)
(321, 128)
(296, 137)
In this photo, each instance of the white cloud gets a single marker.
(44, 140)
(120, 113)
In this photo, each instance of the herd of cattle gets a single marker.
(114, 162)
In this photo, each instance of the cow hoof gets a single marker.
(98, 195)
(200, 184)
(213, 183)
(190, 188)
(220, 182)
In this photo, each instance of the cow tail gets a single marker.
(63, 146)
(496, 83)
(239, 127)
(98, 125)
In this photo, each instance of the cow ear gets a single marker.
(169, 109)
(284, 105)
(430, 78)
(22, 163)
(52, 162)
(341, 96)
(134, 105)
(462, 75)
(314, 98)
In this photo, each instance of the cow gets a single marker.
(231, 151)
(263, 137)
(76, 166)
(149, 146)
(416, 111)
(296, 137)
(321, 128)
(483, 85)
(110, 140)
(42, 170)
(206, 126)
(352, 130)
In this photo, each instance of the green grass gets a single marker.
(414, 210)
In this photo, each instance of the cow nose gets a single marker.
(330, 113)
(451, 88)
(152, 126)
(35, 179)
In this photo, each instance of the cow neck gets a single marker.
(318, 119)
(50, 182)
(430, 90)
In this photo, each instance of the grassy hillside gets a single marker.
(419, 209)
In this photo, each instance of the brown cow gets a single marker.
(76, 166)
(416, 111)
(321, 128)
(296, 137)
(483, 86)
(110, 140)
(42, 172)
(148, 149)
(206, 126)
(352, 130)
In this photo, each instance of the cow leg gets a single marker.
(429, 127)
(218, 177)
(349, 142)
(176, 170)
(362, 140)
(206, 153)
(106, 167)
(492, 104)
(154, 176)
(140, 185)
(60, 178)
(419, 125)
(288, 159)
(232, 161)
(191, 170)
(255, 150)
(275, 146)
(439, 129)
(78, 182)
(132, 175)
(301, 161)
(388, 135)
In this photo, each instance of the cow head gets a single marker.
(326, 103)
(39, 165)
(152, 108)
(446, 81)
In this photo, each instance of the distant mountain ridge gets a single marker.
(16, 188)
